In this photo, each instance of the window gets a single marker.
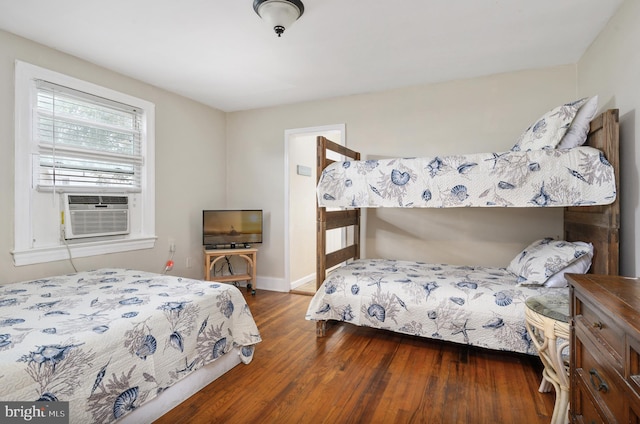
(76, 137)
(86, 142)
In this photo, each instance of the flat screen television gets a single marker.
(231, 228)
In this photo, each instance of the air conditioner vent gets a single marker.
(75, 199)
(114, 200)
(95, 215)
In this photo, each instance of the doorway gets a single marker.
(300, 204)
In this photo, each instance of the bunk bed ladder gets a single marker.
(329, 220)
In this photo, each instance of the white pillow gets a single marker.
(544, 258)
(547, 131)
(580, 266)
(576, 135)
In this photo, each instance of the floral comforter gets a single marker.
(106, 341)
(537, 178)
(477, 306)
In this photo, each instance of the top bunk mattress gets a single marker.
(581, 176)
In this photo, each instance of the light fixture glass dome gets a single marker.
(279, 14)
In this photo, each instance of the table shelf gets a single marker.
(212, 256)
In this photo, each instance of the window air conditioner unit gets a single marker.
(95, 215)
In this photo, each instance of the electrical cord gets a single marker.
(229, 267)
(64, 240)
(220, 269)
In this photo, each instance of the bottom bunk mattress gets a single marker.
(109, 340)
(473, 305)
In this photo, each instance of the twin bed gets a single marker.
(472, 305)
(113, 342)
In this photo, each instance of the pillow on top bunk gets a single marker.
(545, 261)
(547, 131)
(577, 133)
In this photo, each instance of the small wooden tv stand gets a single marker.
(212, 256)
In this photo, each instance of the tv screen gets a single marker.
(231, 228)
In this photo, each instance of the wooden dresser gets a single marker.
(605, 349)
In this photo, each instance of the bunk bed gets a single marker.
(472, 305)
(119, 344)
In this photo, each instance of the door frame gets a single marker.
(288, 134)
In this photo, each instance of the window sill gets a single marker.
(59, 253)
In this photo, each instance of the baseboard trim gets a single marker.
(304, 280)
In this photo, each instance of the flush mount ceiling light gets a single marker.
(279, 14)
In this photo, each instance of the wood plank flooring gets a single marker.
(361, 375)
(308, 289)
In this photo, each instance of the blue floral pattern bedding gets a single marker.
(108, 340)
(537, 178)
(472, 305)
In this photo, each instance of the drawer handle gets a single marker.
(597, 325)
(601, 386)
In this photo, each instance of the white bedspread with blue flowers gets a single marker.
(472, 305)
(108, 340)
(580, 176)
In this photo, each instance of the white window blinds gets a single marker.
(86, 142)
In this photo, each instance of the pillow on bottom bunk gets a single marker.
(580, 266)
(545, 261)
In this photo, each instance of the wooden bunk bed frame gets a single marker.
(599, 225)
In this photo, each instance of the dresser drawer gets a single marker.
(584, 409)
(634, 415)
(599, 379)
(605, 331)
(633, 372)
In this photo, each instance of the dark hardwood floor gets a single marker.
(361, 375)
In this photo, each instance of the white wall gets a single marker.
(190, 166)
(476, 115)
(611, 68)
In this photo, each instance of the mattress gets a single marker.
(472, 305)
(537, 178)
(109, 340)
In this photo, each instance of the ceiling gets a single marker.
(220, 53)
